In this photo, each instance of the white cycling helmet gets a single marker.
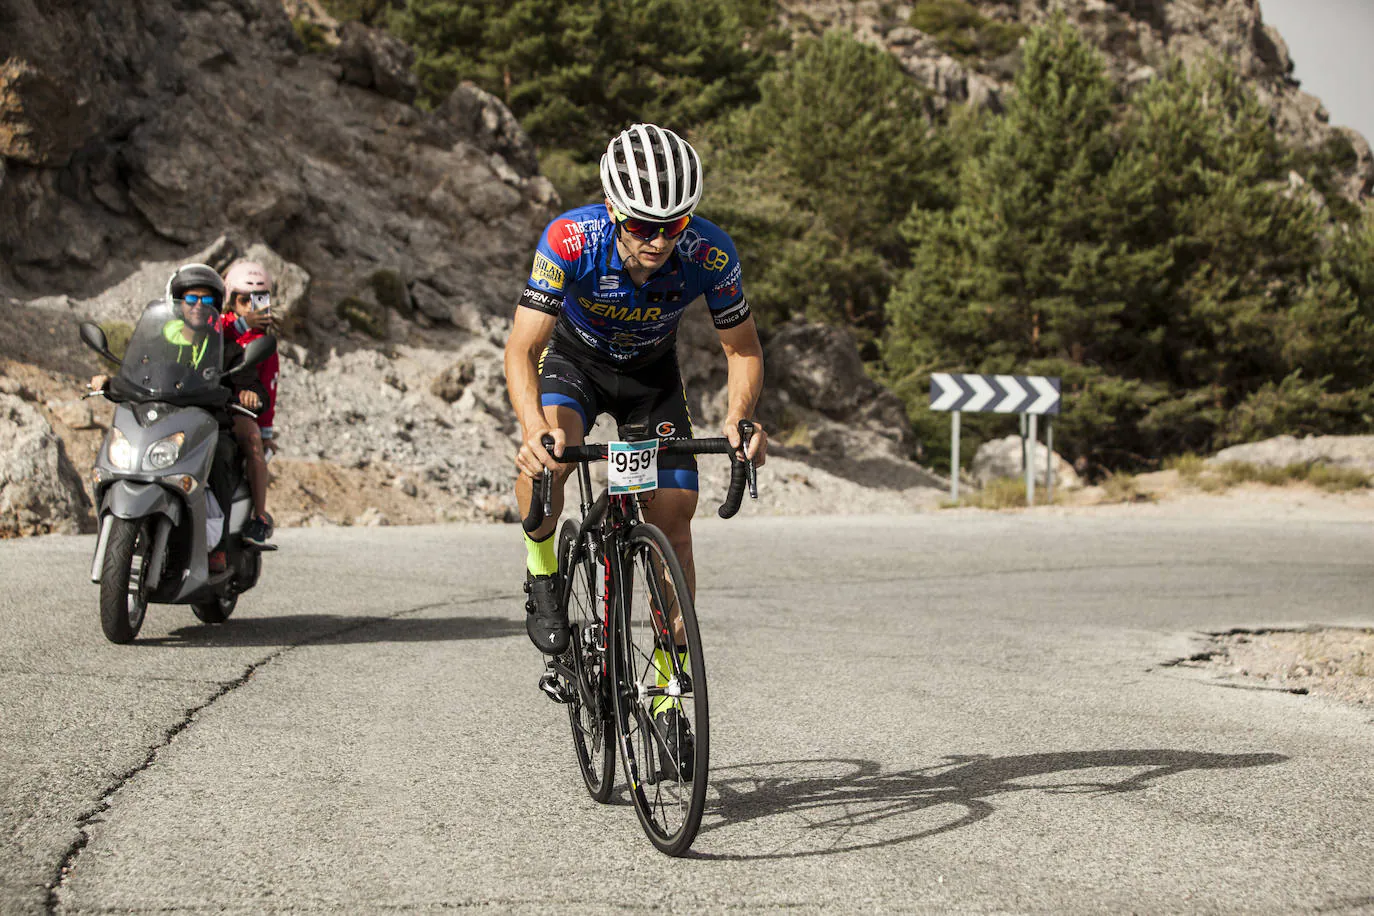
(651, 173)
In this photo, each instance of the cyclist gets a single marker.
(198, 291)
(595, 332)
(248, 316)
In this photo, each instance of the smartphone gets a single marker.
(262, 302)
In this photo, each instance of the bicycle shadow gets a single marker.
(334, 629)
(844, 805)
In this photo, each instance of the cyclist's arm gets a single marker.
(744, 382)
(528, 337)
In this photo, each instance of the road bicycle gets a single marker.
(634, 673)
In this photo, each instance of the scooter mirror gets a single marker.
(93, 337)
(254, 353)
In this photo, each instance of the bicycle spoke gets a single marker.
(588, 715)
(663, 693)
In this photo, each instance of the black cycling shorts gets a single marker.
(649, 396)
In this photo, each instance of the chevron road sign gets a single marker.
(1027, 395)
(1035, 394)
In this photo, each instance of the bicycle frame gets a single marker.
(621, 513)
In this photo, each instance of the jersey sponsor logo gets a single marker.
(566, 238)
(607, 283)
(621, 312)
(712, 259)
(729, 317)
(541, 300)
(728, 290)
(694, 247)
(730, 283)
(545, 271)
(665, 429)
(689, 243)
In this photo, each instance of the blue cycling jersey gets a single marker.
(578, 276)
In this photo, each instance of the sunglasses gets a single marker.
(193, 299)
(647, 230)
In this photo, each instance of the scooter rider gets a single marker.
(198, 293)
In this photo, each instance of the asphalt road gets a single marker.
(936, 713)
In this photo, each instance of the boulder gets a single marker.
(819, 366)
(375, 60)
(478, 114)
(999, 458)
(449, 385)
(1355, 452)
(40, 490)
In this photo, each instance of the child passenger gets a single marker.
(248, 316)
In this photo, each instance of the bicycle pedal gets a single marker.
(553, 689)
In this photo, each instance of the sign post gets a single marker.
(1027, 395)
(954, 456)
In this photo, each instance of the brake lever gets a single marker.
(546, 478)
(746, 432)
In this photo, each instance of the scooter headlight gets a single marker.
(163, 453)
(120, 451)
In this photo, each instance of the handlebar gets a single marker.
(742, 472)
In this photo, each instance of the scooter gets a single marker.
(157, 511)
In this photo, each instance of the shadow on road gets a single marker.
(842, 805)
(317, 629)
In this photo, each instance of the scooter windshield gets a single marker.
(176, 353)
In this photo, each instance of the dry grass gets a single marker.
(1190, 467)
(1123, 488)
(1001, 493)
(1194, 471)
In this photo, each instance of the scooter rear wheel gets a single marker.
(123, 592)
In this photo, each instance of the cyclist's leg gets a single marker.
(662, 408)
(569, 399)
(570, 421)
(568, 402)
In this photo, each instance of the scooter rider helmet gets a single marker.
(197, 276)
(191, 276)
(651, 173)
(247, 277)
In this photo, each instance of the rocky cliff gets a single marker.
(1137, 37)
(137, 136)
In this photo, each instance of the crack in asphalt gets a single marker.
(86, 821)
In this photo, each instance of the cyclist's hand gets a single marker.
(758, 444)
(533, 457)
(98, 382)
(250, 399)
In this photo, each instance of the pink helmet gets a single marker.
(247, 277)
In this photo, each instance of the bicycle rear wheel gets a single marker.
(661, 704)
(589, 704)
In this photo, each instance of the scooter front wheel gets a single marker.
(123, 591)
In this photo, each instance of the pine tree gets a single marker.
(813, 181)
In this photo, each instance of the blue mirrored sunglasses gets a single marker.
(193, 299)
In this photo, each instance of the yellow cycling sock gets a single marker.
(665, 673)
(541, 560)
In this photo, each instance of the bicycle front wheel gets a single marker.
(661, 704)
(589, 703)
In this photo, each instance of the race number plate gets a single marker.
(632, 467)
